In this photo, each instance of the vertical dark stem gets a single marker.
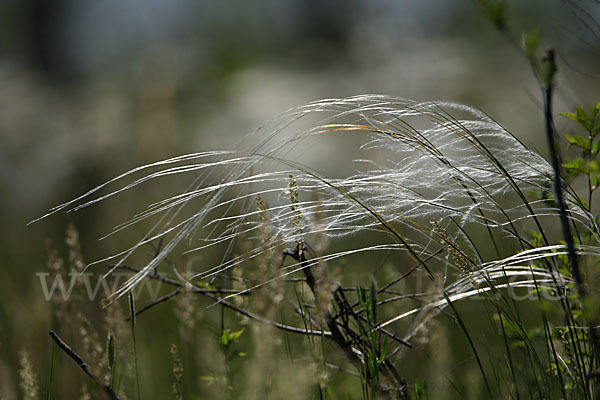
(558, 191)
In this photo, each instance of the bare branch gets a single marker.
(82, 364)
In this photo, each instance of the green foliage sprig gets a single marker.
(586, 163)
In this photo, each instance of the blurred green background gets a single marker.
(89, 89)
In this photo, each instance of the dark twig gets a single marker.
(155, 303)
(264, 320)
(173, 282)
(551, 135)
(213, 295)
(82, 364)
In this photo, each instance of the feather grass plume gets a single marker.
(412, 163)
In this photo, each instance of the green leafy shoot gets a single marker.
(586, 163)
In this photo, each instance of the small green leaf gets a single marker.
(228, 337)
(581, 114)
(383, 354)
(571, 116)
(235, 335)
(587, 122)
(578, 141)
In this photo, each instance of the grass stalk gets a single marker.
(132, 314)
